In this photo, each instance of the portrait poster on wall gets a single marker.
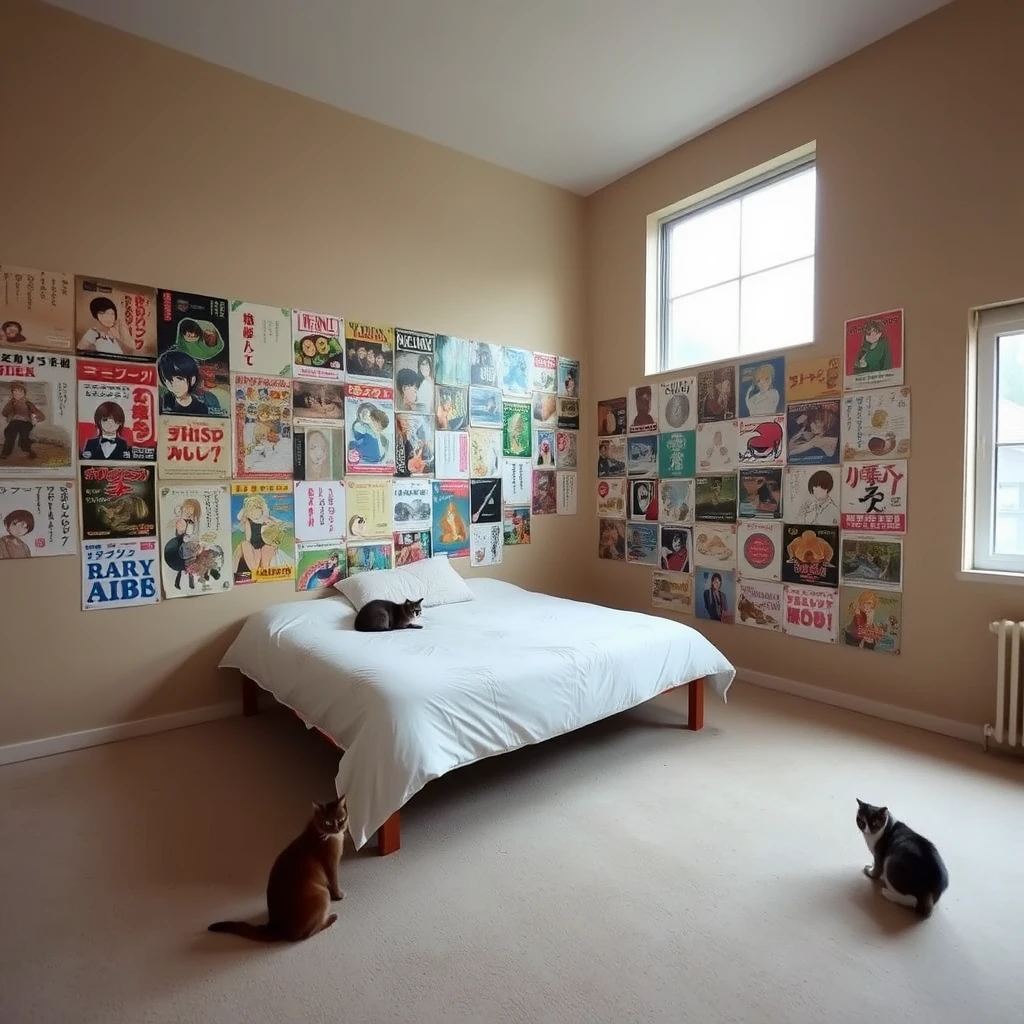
(193, 364)
(37, 407)
(115, 320)
(195, 539)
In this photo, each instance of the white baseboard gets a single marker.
(874, 708)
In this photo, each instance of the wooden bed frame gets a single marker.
(389, 835)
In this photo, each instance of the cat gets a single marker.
(303, 881)
(382, 616)
(910, 868)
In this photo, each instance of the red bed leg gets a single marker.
(695, 710)
(250, 697)
(389, 835)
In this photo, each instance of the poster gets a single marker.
(675, 553)
(544, 449)
(642, 455)
(317, 347)
(873, 350)
(811, 555)
(370, 504)
(119, 573)
(192, 338)
(876, 425)
(318, 402)
(484, 452)
(516, 525)
(715, 595)
(193, 449)
(264, 445)
(716, 395)
(812, 433)
(195, 539)
(414, 371)
(874, 497)
(716, 499)
(642, 500)
(262, 532)
(717, 447)
(611, 456)
(118, 501)
(676, 501)
(370, 423)
(414, 444)
(762, 442)
(517, 437)
(811, 613)
(568, 414)
(411, 546)
(114, 320)
(677, 404)
(485, 501)
(611, 417)
(451, 455)
(318, 452)
(36, 309)
(485, 364)
(369, 555)
(411, 504)
(485, 407)
(677, 454)
(260, 339)
(544, 376)
(672, 591)
(762, 388)
(486, 544)
(544, 410)
(812, 495)
(760, 493)
(516, 481)
(517, 372)
(319, 564)
(567, 449)
(566, 485)
(451, 409)
(37, 405)
(451, 365)
(116, 411)
(611, 539)
(817, 377)
(450, 531)
(714, 545)
(759, 604)
(871, 619)
(37, 519)
(759, 550)
(642, 543)
(867, 560)
(641, 413)
(569, 378)
(545, 500)
(320, 511)
(611, 499)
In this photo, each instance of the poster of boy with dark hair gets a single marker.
(193, 365)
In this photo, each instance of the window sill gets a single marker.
(1015, 579)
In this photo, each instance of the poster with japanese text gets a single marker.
(516, 525)
(611, 456)
(611, 539)
(320, 510)
(484, 452)
(368, 505)
(517, 372)
(37, 519)
(119, 573)
(118, 501)
(759, 550)
(567, 449)
(761, 442)
(569, 384)
(641, 410)
(370, 556)
(194, 449)
(485, 502)
(260, 339)
(611, 498)
(871, 619)
(642, 455)
(263, 440)
(642, 500)
(812, 433)
(759, 604)
(717, 446)
(318, 403)
(716, 499)
(451, 455)
(868, 560)
(450, 530)
(36, 309)
(485, 364)
(193, 365)
(545, 499)
(485, 407)
(262, 531)
(318, 452)
(544, 375)
(544, 409)
(876, 425)
(317, 346)
(714, 546)
(812, 495)
(611, 417)
(811, 555)
(516, 481)
(676, 545)
(195, 539)
(874, 497)
(411, 546)
(873, 350)
(811, 613)
(414, 444)
(816, 377)
(451, 364)
(762, 388)
(672, 591)
(715, 595)
(716, 395)
(677, 404)
(677, 454)
(760, 493)
(676, 501)
(566, 485)
(517, 440)
(642, 543)
(414, 371)
(37, 406)
(412, 504)
(568, 414)
(116, 411)
(544, 448)
(319, 564)
(370, 424)
(115, 320)
(485, 544)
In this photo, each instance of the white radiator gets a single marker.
(1009, 699)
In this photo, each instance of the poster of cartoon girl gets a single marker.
(763, 387)
(871, 619)
(263, 427)
(370, 417)
(716, 395)
(192, 339)
(195, 538)
(263, 532)
(812, 433)
(115, 320)
(319, 564)
(873, 350)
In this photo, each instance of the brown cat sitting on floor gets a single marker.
(303, 881)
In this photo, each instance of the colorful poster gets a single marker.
(451, 360)
(119, 573)
(545, 499)
(370, 421)
(37, 404)
(114, 320)
(641, 413)
(369, 555)
(611, 539)
(411, 504)
(414, 371)
(611, 499)
(192, 338)
(567, 449)
(516, 525)
(451, 411)
(414, 444)
(873, 350)
(642, 455)
(116, 411)
(874, 497)
(320, 511)
(867, 560)
(677, 454)
(611, 417)
(760, 494)
(569, 378)
(118, 501)
(262, 532)
(544, 449)
(485, 544)
(611, 456)
(319, 564)
(871, 619)
(516, 481)
(318, 402)
(716, 395)
(318, 452)
(450, 531)
(714, 545)
(642, 543)
(817, 377)
(484, 452)
(676, 501)
(544, 410)
(715, 597)
(568, 414)
(485, 407)
(762, 442)
(566, 485)
(812, 555)
(811, 495)
(36, 309)
(717, 446)
(672, 591)
(716, 499)
(812, 432)
(763, 388)
(193, 449)
(517, 438)
(37, 519)
(485, 501)
(544, 376)
(195, 539)
(811, 613)
(317, 349)
(876, 425)
(642, 500)
(677, 404)
(369, 505)
(264, 446)
(759, 550)
(517, 372)
(485, 364)
(759, 604)
(451, 455)
(261, 339)
(411, 546)
(676, 543)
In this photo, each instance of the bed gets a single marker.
(483, 677)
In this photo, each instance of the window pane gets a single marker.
(1009, 531)
(1010, 408)
(704, 249)
(778, 308)
(778, 223)
(704, 327)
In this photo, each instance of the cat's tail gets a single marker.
(256, 932)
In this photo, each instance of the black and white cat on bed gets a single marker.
(910, 868)
(382, 616)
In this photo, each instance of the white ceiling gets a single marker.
(573, 92)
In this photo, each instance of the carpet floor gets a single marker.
(633, 871)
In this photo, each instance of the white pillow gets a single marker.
(432, 579)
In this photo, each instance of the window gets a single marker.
(735, 268)
(998, 541)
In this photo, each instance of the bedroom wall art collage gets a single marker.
(771, 493)
(186, 444)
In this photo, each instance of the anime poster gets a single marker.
(812, 433)
(262, 531)
(874, 497)
(485, 364)
(611, 456)
(642, 455)
(811, 613)
(414, 444)
(450, 530)
(485, 407)
(867, 560)
(759, 604)
(717, 446)
(569, 378)
(370, 504)
(195, 539)
(544, 410)
(369, 555)
(568, 414)
(260, 339)
(716, 499)
(714, 546)
(611, 417)
(451, 450)
(193, 449)
(818, 377)
(567, 487)
(451, 365)
(567, 449)
(192, 338)
(544, 373)
(414, 371)
(876, 425)
(119, 573)
(516, 481)
(715, 595)
(676, 502)
(517, 372)
(641, 412)
(317, 348)
(118, 501)
(37, 405)
(485, 501)
(811, 495)
(318, 452)
(811, 555)
(37, 519)
(484, 452)
(716, 395)
(544, 449)
(517, 437)
(642, 500)
(672, 591)
(319, 564)
(411, 504)
(451, 410)
(545, 497)
(642, 543)
(873, 350)
(762, 388)
(370, 351)
(759, 550)
(264, 448)
(677, 404)
(317, 402)
(761, 442)
(871, 619)
(611, 539)
(320, 511)
(411, 546)
(36, 309)
(116, 411)
(485, 544)
(611, 499)
(760, 494)
(674, 555)
(114, 320)
(516, 525)
(370, 421)
(677, 454)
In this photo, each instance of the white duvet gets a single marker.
(482, 677)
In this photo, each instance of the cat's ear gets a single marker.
(860, 803)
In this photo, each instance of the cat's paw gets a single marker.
(339, 895)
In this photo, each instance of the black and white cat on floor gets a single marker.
(383, 616)
(910, 868)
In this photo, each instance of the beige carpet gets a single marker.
(632, 872)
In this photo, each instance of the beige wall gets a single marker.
(130, 161)
(920, 151)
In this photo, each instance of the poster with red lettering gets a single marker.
(118, 501)
(320, 510)
(116, 411)
(812, 613)
(317, 346)
(194, 449)
(37, 406)
(114, 320)
(260, 338)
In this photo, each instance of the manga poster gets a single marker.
(714, 546)
(867, 560)
(676, 502)
(517, 372)
(677, 454)
(641, 412)
(37, 519)
(674, 555)
(516, 481)
(545, 499)
(873, 350)
(762, 442)
(566, 449)
(759, 550)
(611, 539)
(318, 452)
(715, 597)
(716, 499)
(369, 506)
(118, 502)
(264, 446)
(568, 378)
(451, 364)
(414, 371)
(544, 449)
(811, 555)
(119, 573)
(759, 604)
(411, 546)
(115, 320)
(414, 444)
(116, 411)
(262, 531)
(642, 545)
(544, 375)
(567, 487)
(485, 544)
(516, 525)
(193, 449)
(411, 504)
(484, 364)
(484, 452)
(370, 420)
(193, 365)
(568, 414)
(451, 455)
(717, 446)
(517, 434)
(672, 591)
(677, 404)
(485, 502)
(37, 404)
(611, 417)
(811, 613)
(319, 564)
(611, 456)
(642, 500)
(545, 410)
(260, 339)
(760, 494)
(874, 497)
(817, 377)
(370, 555)
(871, 619)
(763, 388)
(485, 407)
(812, 433)
(451, 411)
(716, 395)
(642, 455)
(36, 309)
(611, 499)
(876, 425)
(195, 539)
(811, 495)
(317, 348)
(450, 530)
(315, 403)
(320, 511)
